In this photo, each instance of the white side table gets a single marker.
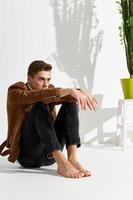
(122, 120)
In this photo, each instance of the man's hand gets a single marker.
(84, 99)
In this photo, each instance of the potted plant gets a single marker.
(126, 37)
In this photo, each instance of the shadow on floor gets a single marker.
(20, 169)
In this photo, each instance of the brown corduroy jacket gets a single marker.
(20, 100)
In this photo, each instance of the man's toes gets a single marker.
(82, 174)
(72, 175)
(78, 175)
(75, 175)
(87, 173)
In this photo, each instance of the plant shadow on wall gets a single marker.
(78, 42)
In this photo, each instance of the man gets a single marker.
(36, 135)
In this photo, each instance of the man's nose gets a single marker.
(45, 84)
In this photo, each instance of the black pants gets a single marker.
(40, 137)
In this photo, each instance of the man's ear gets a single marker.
(29, 78)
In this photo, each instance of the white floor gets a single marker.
(112, 178)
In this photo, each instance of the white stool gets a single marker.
(122, 121)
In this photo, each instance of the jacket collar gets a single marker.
(29, 87)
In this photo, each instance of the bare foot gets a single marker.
(78, 166)
(68, 170)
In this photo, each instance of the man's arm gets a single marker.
(20, 97)
(83, 98)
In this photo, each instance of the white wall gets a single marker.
(79, 38)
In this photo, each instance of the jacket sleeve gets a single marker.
(20, 97)
(67, 98)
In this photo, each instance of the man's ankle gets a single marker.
(59, 157)
(72, 158)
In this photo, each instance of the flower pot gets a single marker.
(127, 86)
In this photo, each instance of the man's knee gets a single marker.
(70, 106)
(40, 106)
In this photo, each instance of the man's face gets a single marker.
(40, 80)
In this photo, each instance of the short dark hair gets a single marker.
(37, 66)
